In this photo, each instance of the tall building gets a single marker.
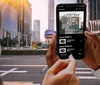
(0, 23)
(27, 21)
(93, 13)
(23, 8)
(8, 19)
(36, 31)
(93, 8)
(16, 17)
(50, 14)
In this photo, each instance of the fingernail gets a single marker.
(71, 56)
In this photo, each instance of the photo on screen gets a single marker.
(71, 22)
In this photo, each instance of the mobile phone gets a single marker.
(70, 27)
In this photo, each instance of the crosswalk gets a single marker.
(85, 73)
(82, 73)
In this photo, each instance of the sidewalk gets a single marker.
(17, 83)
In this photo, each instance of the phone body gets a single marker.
(70, 27)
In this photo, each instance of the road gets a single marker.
(33, 68)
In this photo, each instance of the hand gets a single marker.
(61, 73)
(51, 56)
(92, 58)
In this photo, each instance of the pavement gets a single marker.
(30, 70)
(17, 83)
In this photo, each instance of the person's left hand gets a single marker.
(51, 56)
(61, 73)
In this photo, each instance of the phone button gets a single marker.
(62, 41)
(62, 50)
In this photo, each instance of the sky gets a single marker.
(40, 12)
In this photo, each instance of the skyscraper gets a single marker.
(9, 19)
(51, 14)
(36, 31)
(93, 7)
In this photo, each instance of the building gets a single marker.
(0, 22)
(16, 19)
(36, 31)
(27, 21)
(50, 14)
(24, 11)
(93, 14)
(93, 8)
(8, 20)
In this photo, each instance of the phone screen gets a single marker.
(70, 30)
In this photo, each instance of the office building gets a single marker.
(16, 18)
(0, 22)
(23, 7)
(8, 19)
(27, 21)
(93, 7)
(51, 14)
(36, 31)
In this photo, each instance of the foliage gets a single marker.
(24, 52)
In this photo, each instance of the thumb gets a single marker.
(88, 34)
(92, 36)
(59, 65)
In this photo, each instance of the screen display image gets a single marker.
(71, 22)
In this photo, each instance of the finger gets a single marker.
(72, 58)
(59, 65)
(54, 41)
(92, 36)
(54, 52)
(88, 34)
(71, 66)
(51, 47)
(69, 70)
(51, 56)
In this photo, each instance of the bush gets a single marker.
(24, 52)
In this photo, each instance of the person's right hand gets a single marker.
(62, 73)
(92, 57)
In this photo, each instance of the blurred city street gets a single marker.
(26, 30)
(33, 68)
